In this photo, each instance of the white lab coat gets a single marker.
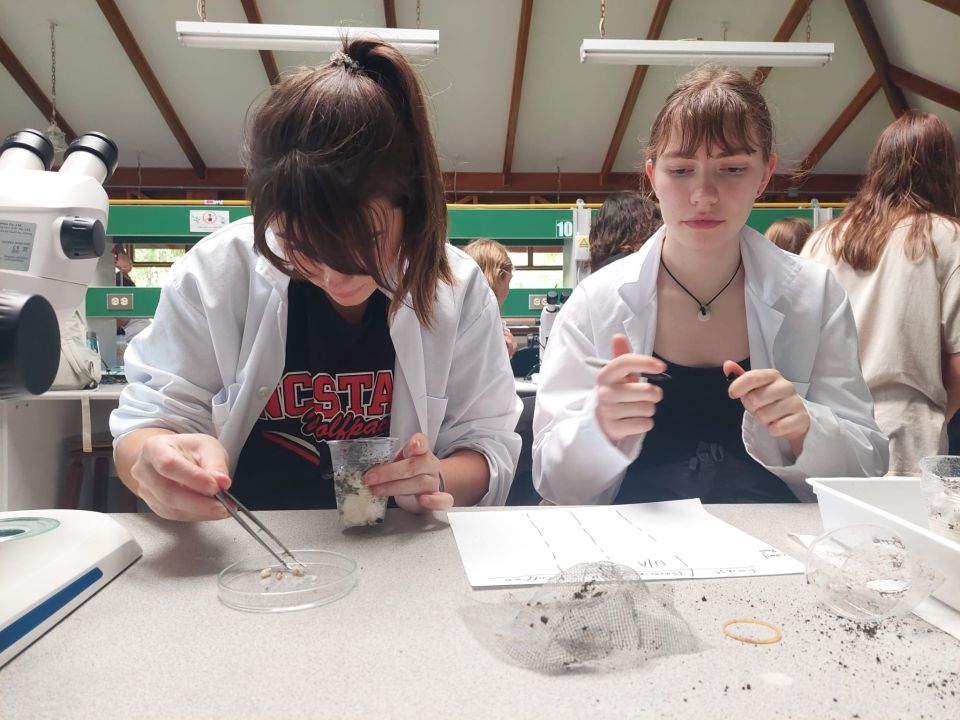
(215, 353)
(798, 321)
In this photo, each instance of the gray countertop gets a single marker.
(156, 642)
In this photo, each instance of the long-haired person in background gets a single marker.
(789, 234)
(896, 250)
(497, 267)
(626, 219)
(336, 311)
(705, 299)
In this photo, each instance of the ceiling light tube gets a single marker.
(260, 36)
(694, 52)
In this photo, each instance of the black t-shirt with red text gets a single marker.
(337, 384)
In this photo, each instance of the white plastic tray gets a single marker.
(895, 503)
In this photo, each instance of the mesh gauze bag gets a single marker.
(596, 615)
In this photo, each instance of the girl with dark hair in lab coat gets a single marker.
(336, 311)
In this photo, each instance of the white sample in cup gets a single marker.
(351, 459)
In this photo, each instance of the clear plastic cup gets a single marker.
(350, 460)
(940, 485)
(867, 573)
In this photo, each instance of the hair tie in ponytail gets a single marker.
(338, 57)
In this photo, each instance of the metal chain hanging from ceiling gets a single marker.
(202, 10)
(603, 18)
(56, 136)
(418, 14)
(53, 73)
(809, 16)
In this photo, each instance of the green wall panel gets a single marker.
(511, 226)
(516, 304)
(170, 224)
(762, 218)
(161, 224)
(144, 302)
(515, 226)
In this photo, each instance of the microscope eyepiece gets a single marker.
(26, 150)
(96, 147)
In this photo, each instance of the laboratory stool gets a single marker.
(101, 452)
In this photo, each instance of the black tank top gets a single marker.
(695, 448)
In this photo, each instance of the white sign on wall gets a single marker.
(206, 221)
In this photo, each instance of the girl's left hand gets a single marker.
(773, 401)
(413, 478)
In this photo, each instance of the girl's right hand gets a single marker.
(626, 405)
(177, 475)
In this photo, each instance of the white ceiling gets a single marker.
(568, 111)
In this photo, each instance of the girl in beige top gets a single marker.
(896, 251)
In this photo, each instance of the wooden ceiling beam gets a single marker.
(519, 64)
(925, 88)
(787, 28)
(851, 111)
(633, 92)
(878, 56)
(122, 31)
(267, 57)
(390, 13)
(468, 184)
(31, 89)
(948, 5)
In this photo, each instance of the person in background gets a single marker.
(494, 261)
(896, 250)
(336, 311)
(766, 388)
(123, 265)
(789, 234)
(127, 328)
(626, 219)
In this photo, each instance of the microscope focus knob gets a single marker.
(81, 237)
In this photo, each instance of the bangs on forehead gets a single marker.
(724, 131)
(717, 108)
(345, 241)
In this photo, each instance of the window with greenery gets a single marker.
(152, 263)
(536, 266)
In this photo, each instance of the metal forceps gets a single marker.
(226, 499)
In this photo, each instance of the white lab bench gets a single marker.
(157, 643)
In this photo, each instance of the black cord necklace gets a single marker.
(703, 314)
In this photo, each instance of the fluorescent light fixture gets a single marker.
(260, 36)
(694, 52)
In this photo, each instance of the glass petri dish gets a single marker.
(261, 584)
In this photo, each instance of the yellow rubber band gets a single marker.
(775, 638)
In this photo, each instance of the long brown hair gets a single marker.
(717, 106)
(911, 175)
(328, 143)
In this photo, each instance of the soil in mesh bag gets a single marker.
(595, 615)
